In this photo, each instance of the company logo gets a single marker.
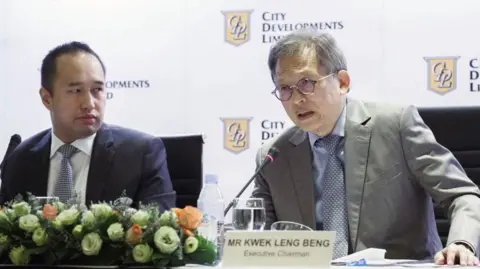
(236, 134)
(271, 128)
(237, 26)
(474, 75)
(275, 25)
(442, 74)
(127, 84)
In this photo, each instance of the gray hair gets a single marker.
(329, 55)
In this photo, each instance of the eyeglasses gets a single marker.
(305, 86)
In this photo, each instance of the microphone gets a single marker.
(15, 140)
(270, 157)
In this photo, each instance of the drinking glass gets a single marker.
(248, 214)
(289, 226)
(42, 200)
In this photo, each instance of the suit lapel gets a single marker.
(357, 144)
(100, 164)
(39, 166)
(301, 170)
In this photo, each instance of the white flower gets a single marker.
(59, 205)
(142, 253)
(166, 239)
(29, 223)
(88, 220)
(5, 220)
(101, 212)
(40, 237)
(19, 255)
(169, 218)
(77, 231)
(116, 232)
(91, 244)
(21, 209)
(68, 216)
(191, 244)
(141, 218)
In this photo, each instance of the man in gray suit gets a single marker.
(367, 171)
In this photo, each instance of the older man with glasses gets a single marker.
(368, 171)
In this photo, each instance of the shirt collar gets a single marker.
(85, 144)
(338, 129)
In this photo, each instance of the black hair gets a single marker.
(49, 63)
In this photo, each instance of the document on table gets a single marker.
(403, 263)
(375, 257)
(369, 254)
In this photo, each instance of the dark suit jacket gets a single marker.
(122, 159)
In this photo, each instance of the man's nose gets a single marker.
(88, 102)
(297, 96)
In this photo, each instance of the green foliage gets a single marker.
(93, 245)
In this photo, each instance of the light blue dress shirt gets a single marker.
(320, 160)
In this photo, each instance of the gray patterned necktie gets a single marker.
(64, 187)
(334, 208)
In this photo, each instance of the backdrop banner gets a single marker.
(194, 66)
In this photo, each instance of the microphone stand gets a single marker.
(268, 159)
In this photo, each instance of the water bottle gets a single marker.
(211, 203)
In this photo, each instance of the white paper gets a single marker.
(369, 254)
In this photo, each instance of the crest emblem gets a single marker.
(236, 134)
(237, 26)
(442, 74)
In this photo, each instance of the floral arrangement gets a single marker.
(55, 233)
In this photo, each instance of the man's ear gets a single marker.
(344, 81)
(46, 97)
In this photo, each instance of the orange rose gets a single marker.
(49, 212)
(134, 235)
(189, 217)
(177, 212)
(187, 232)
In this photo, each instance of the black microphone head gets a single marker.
(16, 138)
(273, 152)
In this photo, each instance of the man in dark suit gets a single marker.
(80, 154)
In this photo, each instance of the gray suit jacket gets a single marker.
(393, 169)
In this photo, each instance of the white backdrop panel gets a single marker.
(3, 42)
(230, 81)
(170, 69)
(434, 28)
(143, 54)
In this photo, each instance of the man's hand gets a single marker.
(456, 254)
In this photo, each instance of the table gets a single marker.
(378, 264)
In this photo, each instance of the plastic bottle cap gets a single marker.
(211, 179)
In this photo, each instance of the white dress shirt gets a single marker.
(80, 164)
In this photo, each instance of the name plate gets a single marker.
(278, 248)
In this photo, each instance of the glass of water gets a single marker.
(248, 214)
(43, 200)
(289, 226)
